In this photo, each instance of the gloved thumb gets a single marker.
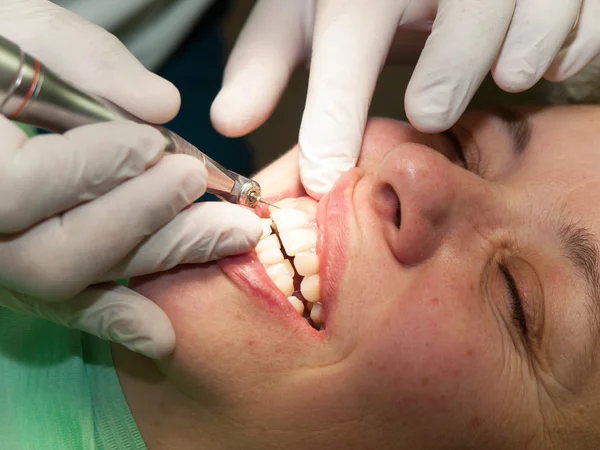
(109, 311)
(89, 57)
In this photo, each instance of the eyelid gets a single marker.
(531, 293)
(467, 147)
(518, 308)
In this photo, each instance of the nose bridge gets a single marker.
(434, 197)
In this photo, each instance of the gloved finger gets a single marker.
(271, 45)
(71, 251)
(582, 47)
(51, 173)
(13, 137)
(108, 311)
(203, 232)
(532, 42)
(351, 42)
(463, 44)
(88, 56)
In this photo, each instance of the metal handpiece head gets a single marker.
(258, 199)
(250, 193)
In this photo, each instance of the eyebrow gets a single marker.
(581, 249)
(518, 126)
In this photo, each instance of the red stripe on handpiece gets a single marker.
(36, 76)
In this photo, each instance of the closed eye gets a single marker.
(517, 311)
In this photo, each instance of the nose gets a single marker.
(415, 193)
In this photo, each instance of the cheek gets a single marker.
(206, 327)
(431, 351)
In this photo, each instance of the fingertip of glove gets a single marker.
(243, 220)
(156, 99)
(234, 113)
(515, 77)
(142, 93)
(315, 190)
(429, 119)
(232, 229)
(319, 175)
(561, 69)
(156, 344)
(317, 182)
(435, 107)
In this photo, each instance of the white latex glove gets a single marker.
(347, 42)
(96, 204)
(89, 57)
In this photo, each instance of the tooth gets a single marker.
(288, 219)
(297, 303)
(282, 268)
(310, 288)
(270, 241)
(270, 256)
(315, 313)
(306, 263)
(285, 284)
(297, 241)
(266, 224)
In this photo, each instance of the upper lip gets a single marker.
(333, 214)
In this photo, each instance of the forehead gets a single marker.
(562, 160)
(564, 143)
(560, 165)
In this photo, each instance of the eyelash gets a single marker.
(518, 312)
(455, 143)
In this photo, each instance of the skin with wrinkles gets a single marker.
(423, 346)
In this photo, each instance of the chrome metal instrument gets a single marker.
(32, 94)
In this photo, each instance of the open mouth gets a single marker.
(288, 252)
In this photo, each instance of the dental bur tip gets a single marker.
(260, 199)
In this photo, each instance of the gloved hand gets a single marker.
(97, 204)
(348, 42)
(89, 57)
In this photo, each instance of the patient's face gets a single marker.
(457, 278)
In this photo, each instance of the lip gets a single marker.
(333, 213)
(249, 275)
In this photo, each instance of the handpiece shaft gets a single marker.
(32, 94)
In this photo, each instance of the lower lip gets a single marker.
(333, 213)
(249, 275)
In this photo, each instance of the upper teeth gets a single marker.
(298, 240)
(306, 263)
(295, 223)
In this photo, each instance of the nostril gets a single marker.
(387, 204)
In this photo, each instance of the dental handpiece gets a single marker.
(32, 94)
